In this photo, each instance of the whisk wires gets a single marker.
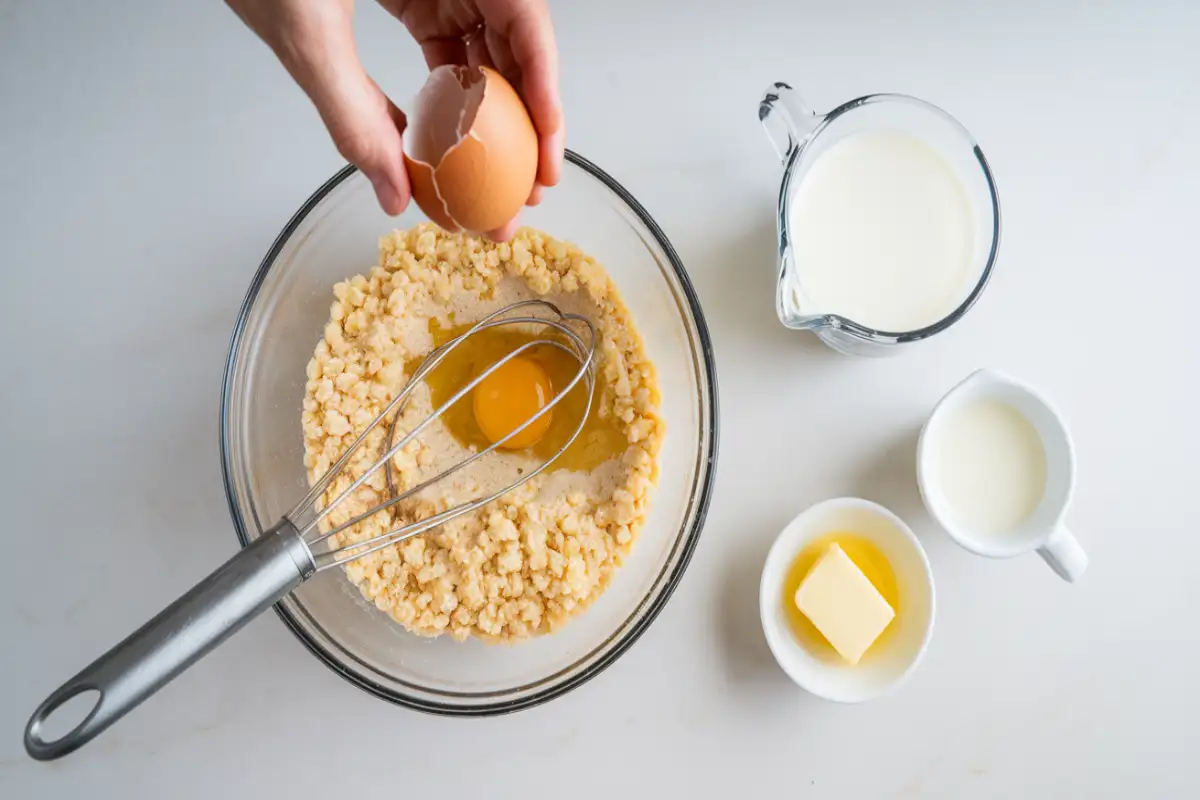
(580, 346)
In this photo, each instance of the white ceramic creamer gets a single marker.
(996, 467)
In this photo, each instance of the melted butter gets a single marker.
(873, 564)
(600, 439)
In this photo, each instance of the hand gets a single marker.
(315, 41)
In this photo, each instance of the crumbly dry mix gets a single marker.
(521, 565)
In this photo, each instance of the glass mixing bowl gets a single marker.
(335, 235)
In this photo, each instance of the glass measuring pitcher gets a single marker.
(801, 136)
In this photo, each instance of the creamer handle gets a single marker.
(1064, 555)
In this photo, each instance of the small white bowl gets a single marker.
(913, 625)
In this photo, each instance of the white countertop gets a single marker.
(149, 153)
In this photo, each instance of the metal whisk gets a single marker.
(296, 547)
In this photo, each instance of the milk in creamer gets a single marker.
(990, 465)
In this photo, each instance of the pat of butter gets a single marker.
(842, 602)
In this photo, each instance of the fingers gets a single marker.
(442, 51)
(526, 27)
(366, 129)
(365, 126)
(391, 184)
(478, 54)
(503, 234)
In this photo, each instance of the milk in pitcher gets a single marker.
(882, 234)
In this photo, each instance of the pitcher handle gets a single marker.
(785, 118)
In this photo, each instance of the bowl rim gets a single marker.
(702, 499)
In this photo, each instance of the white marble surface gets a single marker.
(149, 153)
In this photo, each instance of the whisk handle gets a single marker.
(243, 587)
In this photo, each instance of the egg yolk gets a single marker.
(602, 438)
(504, 400)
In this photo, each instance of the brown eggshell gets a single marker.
(486, 178)
(470, 149)
(434, 124)
(420, 176)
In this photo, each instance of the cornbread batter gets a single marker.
(525, 563)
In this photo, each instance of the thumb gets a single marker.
(366, 127)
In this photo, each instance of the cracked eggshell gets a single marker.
(471, 149)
